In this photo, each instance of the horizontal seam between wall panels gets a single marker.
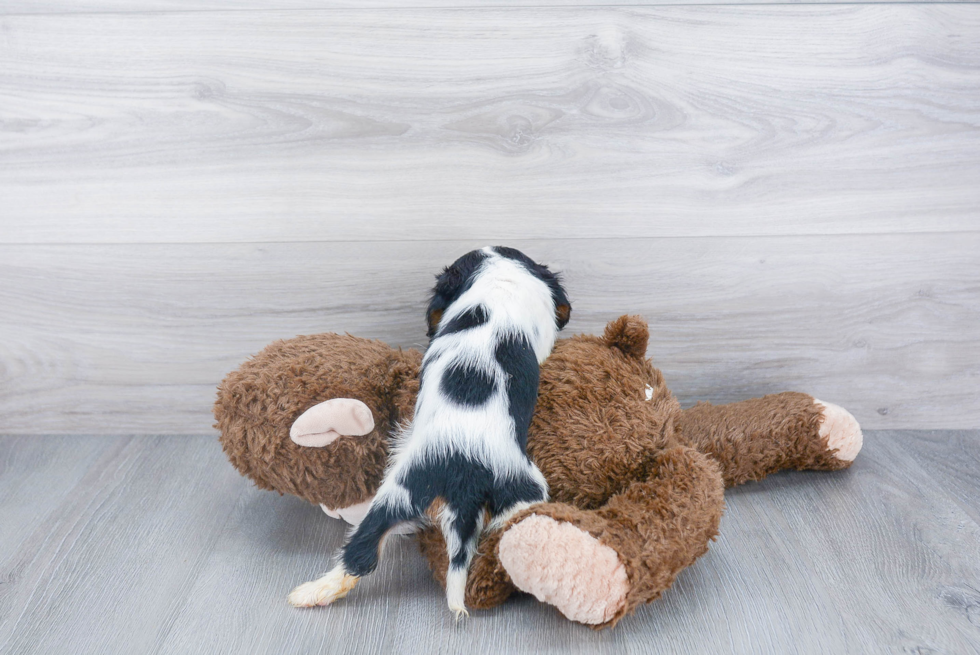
(508, 238)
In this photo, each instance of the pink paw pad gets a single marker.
(329, 420)
(566, 567)
(842, 431)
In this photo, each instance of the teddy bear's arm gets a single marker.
(753, 438)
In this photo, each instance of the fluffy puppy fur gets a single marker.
(493, 318)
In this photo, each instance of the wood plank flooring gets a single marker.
(155, 545)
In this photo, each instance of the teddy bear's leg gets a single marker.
(596, 566)
(754, 438)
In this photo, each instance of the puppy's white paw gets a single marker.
(305, 595)
(325, 590)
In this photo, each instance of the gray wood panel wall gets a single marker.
(789, 193)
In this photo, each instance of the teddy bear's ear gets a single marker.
(629, 334)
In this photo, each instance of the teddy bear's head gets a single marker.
(600, 398)
(259, 403)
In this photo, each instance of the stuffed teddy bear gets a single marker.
(636, 483)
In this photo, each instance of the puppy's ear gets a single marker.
(562, 314)
(453, 281)
(447, 286)
(563, 308)
(432, 317)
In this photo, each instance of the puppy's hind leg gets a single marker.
(461, 527)
(359, 556)
(325, 590)
(516, 494)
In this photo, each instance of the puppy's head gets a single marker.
(457, 278)
(563, 308)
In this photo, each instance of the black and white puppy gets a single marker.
(493, 319)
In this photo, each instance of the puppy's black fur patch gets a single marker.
(466, 384)
(471, 318)
(360, 554)
(516, 357)
(461, 481)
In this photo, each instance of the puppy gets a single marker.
(493, 319)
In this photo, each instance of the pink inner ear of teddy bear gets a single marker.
(331, 419)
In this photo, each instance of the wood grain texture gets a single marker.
(493, 124)
(953, 460)
(103, 573)
(161, 548)
(36, 479)
(858, 538)
(135, 338)
(15, 7)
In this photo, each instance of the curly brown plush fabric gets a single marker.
(594, 432)
(788, 424)
(623, 462)
(258, 403)
(658, 527)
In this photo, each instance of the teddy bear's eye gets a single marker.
(649, 392)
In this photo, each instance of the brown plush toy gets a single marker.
(636, 483)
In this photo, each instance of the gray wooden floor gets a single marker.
(155, 545)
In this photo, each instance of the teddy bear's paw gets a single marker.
(566, 567)
(353, 514)
(331, 419)
(841, 430)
